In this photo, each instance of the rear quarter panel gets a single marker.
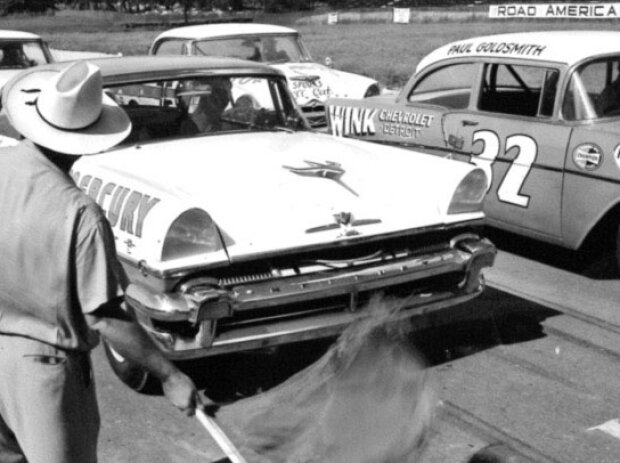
(590, 192)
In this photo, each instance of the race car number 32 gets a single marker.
(509, 190)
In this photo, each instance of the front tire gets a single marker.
(129, 373)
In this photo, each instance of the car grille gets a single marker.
(351, 303)
(315, 115)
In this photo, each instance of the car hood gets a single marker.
(7, 74)
(269, 192)
(311, 82)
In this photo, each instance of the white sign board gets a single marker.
(556, 10)
(402, 15)
(332, 18)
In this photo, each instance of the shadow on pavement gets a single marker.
(299, 392)
(596, 260)
(492, 319)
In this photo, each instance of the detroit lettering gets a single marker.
(124, 208)
(404, 124)
(504, 48)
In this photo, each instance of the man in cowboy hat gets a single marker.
(60, 282)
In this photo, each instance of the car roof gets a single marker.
(564, 47)
(13, 35)
(157, 67)
(207, 31)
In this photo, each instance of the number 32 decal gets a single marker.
(509, 190)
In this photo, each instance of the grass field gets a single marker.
(387, 52)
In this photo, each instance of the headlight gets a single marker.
(192, 233)
(469, 195)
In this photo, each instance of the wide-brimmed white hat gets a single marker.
(65, 110)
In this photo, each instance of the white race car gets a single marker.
(21, 50)
(311, 83)
(239, 227)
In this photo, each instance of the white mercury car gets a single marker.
(281, 47)
(239, 227)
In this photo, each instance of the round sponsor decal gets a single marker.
(588, 156)
(617, 155)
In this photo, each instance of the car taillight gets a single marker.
(192, 233)
(469, 195)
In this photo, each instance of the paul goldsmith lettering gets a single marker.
(504, 48)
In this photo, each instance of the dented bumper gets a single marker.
(203, 318)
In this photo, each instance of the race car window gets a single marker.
(449, 86)
(243, 48)
(20, 55)
(519, 90)
(594, 91)
(171, 47)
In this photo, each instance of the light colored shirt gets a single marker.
(57, 252)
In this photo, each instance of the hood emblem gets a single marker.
(330, 170)
(345, 222)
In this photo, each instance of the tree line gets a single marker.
(140, 6)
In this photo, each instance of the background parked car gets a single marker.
(21, 50)
(282, 48)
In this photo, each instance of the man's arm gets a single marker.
(128, 338)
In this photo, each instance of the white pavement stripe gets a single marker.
(611, 427)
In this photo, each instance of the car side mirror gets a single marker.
(329, 62)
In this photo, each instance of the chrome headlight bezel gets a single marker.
(470, 193)
(192, 233)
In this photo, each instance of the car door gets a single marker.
(512, 134)
(412, 120)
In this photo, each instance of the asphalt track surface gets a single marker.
(533, 365)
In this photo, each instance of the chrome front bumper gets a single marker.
(304, 307)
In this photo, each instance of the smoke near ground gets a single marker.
(367, 400)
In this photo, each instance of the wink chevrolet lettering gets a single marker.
(330, 170)
(355, 121)
(346, 120)
(124, 208)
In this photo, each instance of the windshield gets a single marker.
(211, 105)
(262, 48)
(594, 91)
(21, 54)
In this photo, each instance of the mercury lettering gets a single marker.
(346, 120)
(124, 208)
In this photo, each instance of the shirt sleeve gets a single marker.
(99, 276)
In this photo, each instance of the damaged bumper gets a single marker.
(206, 318)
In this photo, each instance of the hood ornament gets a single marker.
(345, 222)
(330, 170)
